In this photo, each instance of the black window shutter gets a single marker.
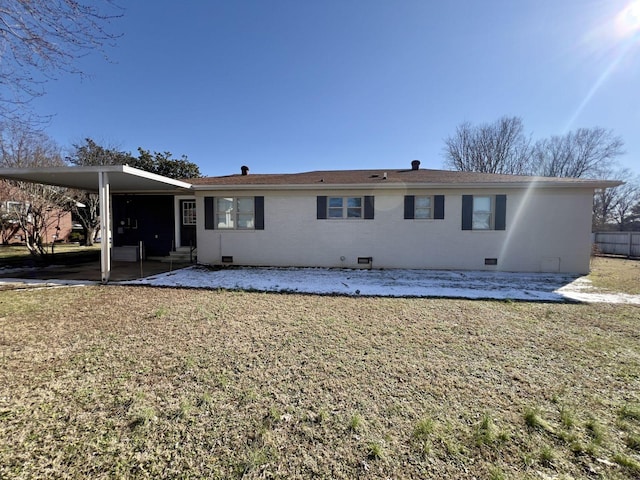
(467, 212)
(321, 207)
(258, 205)
(209, 213)
(409, 207)
(501, 212)
(368, 207)
(438, 207)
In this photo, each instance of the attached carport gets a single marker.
(104, 180)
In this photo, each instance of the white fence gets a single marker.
(617, 243)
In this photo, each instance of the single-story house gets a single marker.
(387, 218)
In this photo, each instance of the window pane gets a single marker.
(354, 202)
(482, 204)
(225, 220)
(481, 213)
(423, 202)
(245, 220)
(422, 213)
(224, 213)
(225, 204)
(354, 213)
(188, 213)
(481, 221)
(335, 207)
(245, 205)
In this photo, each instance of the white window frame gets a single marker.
(16, 207)
(344, 209)
(476, 223)
(234, 217)
(189, 212)
(14, 210)
(427, 212)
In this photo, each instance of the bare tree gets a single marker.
(634, 218)
(499, 147)
(628, 196)
(503, 147)
(586, 152)
(86, 207)
(40, 39)
(36, 209)
(613, 207)
(604, 200)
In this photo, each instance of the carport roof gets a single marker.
(122, 178)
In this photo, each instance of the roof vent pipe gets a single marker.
(415, 165)
(245, 169)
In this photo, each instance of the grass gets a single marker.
(356, 423)
(533, 419)
(376, 450)
(632, 465)
(423, 429)
(567, 417)
(630, 412)
(487, 433)
(596, 431)
(137, 382)
(607, 274)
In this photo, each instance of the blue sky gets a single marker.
(297, 85)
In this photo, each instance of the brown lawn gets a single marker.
(133, 382)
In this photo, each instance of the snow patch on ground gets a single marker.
(582, 290)
(546, 287)
(390, 283)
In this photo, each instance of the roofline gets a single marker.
(536, 182)
(154, 176)
(591, 184)
(16, 172)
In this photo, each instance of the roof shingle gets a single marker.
(382, 176)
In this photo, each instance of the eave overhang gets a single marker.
(122, 178)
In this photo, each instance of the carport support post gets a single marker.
(105, 226)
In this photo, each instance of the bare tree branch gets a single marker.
(40, 39)
(499, 147)
(613, 207)
(586, 152)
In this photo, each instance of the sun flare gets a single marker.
(628, 20)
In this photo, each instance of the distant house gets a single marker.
(57, 225)
(390, 218)
(387, 218)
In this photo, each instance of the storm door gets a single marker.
(187, 223)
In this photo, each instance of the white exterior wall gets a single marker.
(546, 230)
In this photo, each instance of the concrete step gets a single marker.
(181, 255)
